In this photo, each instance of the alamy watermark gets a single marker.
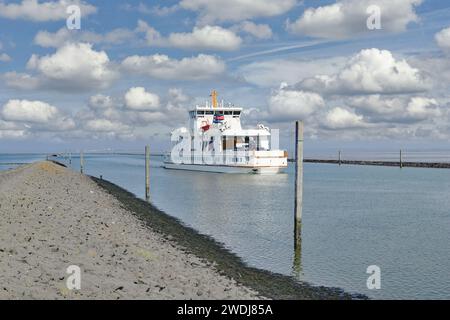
(215, 148)
(73, 281)
(374, 280)
(374, 19)
(73, 22)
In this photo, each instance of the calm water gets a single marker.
(10, 161)
(353, 217)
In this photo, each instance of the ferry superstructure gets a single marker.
(216, 142)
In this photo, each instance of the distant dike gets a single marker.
(406, 164)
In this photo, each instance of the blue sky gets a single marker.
(283, 60)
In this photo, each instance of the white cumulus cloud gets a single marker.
(259, 31)
(4, 57)
(28, 111)
(21, 81)
(369, 72)
(443, 39)
(396, 109)
(129, 115)
(100, 101)
(12, 134)
(200, 38)
(63, 36)
(348, 18)
(105, 125)
(140, 100)
(340, 118)
(287, 105)
(162, 67)
(271, 73)
(74, 66)
(207, 37)
(423, 108)
(35, 10)
(36, 115)
(236, 10)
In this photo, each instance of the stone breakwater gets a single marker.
(52, 218)
(406, 164)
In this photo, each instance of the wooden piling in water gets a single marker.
(401, 159)
(81, 162)
(298, 206)
(147, 173)
(340, 158)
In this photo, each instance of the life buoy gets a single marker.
(205, 125)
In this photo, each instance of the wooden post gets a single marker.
(340, 158)
(298, 180)
(81, 162)
(147, 173)
(401, 159)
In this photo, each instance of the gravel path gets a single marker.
(52, 218)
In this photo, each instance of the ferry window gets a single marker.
(209, 112)
(228, 113)
(200, 113)
(237, 113)
(218, 113)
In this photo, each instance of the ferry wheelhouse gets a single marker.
(216, 142)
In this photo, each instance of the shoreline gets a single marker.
(52, 217)
(266, 283)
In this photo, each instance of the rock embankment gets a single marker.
(52, 218)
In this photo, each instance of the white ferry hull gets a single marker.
(225, 169)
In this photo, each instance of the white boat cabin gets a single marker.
(218, 130)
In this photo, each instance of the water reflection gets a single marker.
(353, 217)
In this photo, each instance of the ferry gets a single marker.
(216, 142)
